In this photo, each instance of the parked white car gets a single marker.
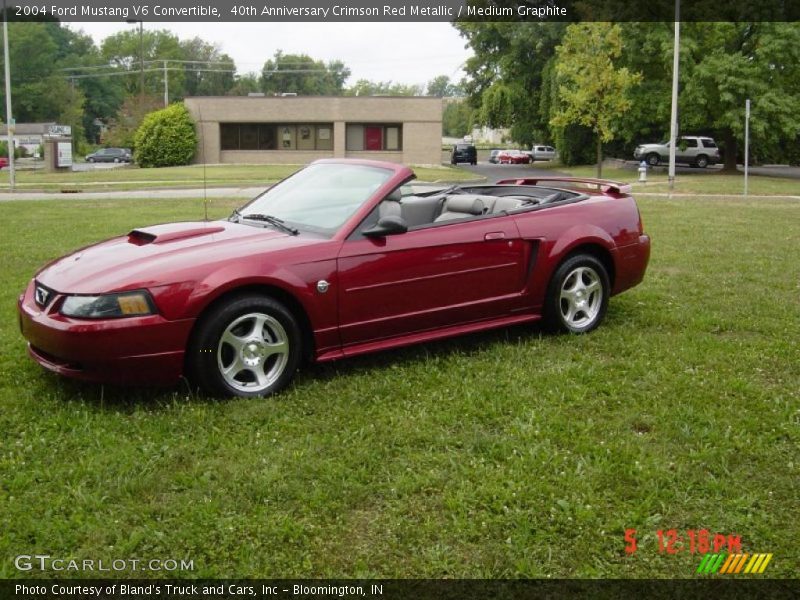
(692, 150)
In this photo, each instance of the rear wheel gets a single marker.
(249, 346)
(577, 297)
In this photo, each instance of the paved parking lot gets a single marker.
(494, 173)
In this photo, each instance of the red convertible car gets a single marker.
(339, 259)
(513, 157)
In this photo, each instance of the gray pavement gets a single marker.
(494, 173)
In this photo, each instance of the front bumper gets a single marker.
(135, 350)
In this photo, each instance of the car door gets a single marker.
(429, 278)
(686, 151)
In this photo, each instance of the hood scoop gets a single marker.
(161, 234)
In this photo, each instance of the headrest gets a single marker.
(395, 196)
(464, 203)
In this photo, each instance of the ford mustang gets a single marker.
(342, 258)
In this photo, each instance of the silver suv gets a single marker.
(692, 150)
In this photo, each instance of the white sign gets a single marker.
(58, 130)
(64, 154)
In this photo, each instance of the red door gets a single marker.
(373, 138)
(429, 278)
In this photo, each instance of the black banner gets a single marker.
(402, 10)
(351, 589)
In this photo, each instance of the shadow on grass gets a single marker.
(128, 399)
(621, 314)
(464, 345)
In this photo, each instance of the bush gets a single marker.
(166, 138)
(19, 151)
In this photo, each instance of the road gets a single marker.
(494, 173)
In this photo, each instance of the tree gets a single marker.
(102, 96)
(211, 72)
(727, 63)
(593, 92)
(245, 84)
(457, 118)
(42, 91)
(300, 74)
(123, 126)
(123, 50)
(166, 138)
(443, 87)
(506, 75)
(365, 87)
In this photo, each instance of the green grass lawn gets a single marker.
(132, 177)
(507, 454)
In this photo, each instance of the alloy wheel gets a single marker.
(581, 297)
(253, 352)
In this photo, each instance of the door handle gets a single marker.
(494, 235)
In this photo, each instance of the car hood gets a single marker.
(160, 255)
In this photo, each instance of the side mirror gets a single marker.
(389, 225)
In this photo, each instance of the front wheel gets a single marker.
(702, 161)
(577, 297)
(249, 346)
(653, 159)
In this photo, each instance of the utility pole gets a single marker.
(673, 120)
(9, 118)
(166, 86)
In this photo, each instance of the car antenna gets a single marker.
(203, 158)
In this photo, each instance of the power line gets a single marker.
(137, 71)
(150, 62)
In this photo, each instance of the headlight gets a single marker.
(108, 306)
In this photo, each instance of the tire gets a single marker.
(702, 161)
(577, 296)
(249, 346)
(474, 162)
(653, 159)
(116, 160)
(91, 160)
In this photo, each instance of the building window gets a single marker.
(374, 137)
(276, 136)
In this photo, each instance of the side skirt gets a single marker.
(425, 336)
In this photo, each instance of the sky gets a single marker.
(409, 53)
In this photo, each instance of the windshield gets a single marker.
(321, 197)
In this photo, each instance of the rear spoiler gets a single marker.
(604, 185)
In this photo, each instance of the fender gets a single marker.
(553, 252)
(580, 235)
(291, 279)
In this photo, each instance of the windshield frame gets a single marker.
(396, 175)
